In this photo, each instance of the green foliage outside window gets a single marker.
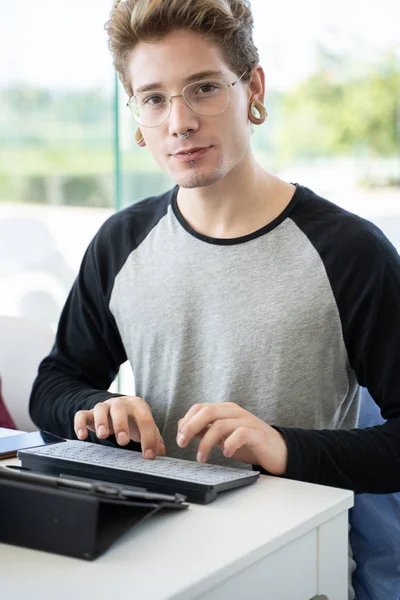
(57, 147)
(330, 116)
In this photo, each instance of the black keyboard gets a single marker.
(199, 482)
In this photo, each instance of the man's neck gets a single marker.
(247, 199)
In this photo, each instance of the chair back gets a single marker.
(24, 343)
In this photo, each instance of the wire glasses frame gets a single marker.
(133, 105)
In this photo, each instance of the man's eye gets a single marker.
(153, 100)
(207, 88)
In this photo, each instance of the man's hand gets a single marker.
(238, 433)
(128, 418)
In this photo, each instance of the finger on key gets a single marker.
(101, 420)
(82, 420)
(119, 420)
(149, 434)
(161, 450)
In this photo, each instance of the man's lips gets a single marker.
(190, 154)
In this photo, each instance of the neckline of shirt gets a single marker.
(237, 240)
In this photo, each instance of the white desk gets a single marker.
(4, 432)
(273, 540)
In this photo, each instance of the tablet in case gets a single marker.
(72, 517)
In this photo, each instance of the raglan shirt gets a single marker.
(286, 322)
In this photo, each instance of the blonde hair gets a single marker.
(229, 23)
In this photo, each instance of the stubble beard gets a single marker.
(198, 179)
(195, 177)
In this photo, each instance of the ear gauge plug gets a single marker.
(139, 137)
(258, 112)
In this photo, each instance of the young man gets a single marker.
(249, 308)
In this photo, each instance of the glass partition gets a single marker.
(57, 166)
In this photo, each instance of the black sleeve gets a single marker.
(364, 272)
(88, 350)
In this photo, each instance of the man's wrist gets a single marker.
(277, 454)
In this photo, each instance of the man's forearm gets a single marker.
(363, 460)
(56, 397)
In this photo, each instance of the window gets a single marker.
(57, 175)
(68, 157)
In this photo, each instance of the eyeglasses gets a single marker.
(208, 98)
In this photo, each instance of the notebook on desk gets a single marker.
(199, 482)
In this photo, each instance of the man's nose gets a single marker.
(182, 117)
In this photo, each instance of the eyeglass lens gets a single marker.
(205, 98)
